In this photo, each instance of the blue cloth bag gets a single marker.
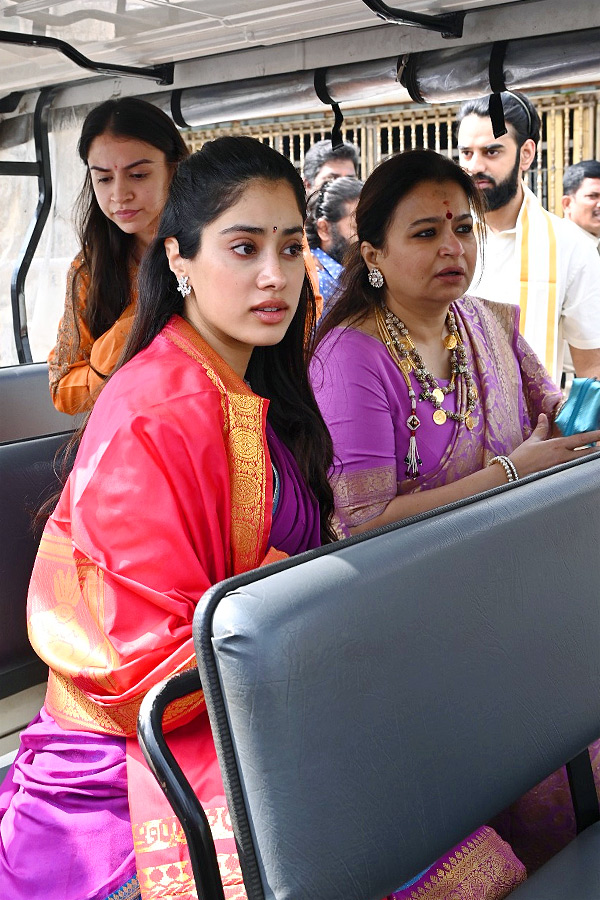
(581, 410)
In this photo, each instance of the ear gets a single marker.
(566, 205)
(176, 262)
(371, 255)
(528, 151)
(323, 230)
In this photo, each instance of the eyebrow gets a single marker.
(254, 229)
(435, 220)
(132, 165)
(497, 146)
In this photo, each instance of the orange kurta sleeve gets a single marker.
(77, 362)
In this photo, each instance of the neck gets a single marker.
(139, 248)
(236, 355)
(506, 217)
(424, 327)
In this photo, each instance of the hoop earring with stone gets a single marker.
(183, 285)
(375, 278)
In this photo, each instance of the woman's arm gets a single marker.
(538, 452)
(77, 363)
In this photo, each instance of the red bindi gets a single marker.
(448, 215)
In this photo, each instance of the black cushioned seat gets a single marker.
(374, 702)
(573, 874)
(27, 478)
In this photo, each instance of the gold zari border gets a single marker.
(73, 709)
(478, 870)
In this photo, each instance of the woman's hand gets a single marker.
(541, 451)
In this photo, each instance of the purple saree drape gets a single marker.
(364, 400)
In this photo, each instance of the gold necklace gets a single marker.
(395, 336)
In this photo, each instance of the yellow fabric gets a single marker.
(536, 240)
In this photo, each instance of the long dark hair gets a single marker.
(204, 186)
(330, 202)
(106, 249)
(383, 190)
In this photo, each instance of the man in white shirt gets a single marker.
(581, 197)
(532, 258)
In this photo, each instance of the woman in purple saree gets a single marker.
(430, 397)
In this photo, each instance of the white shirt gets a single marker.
(578, 283)
(592, 237)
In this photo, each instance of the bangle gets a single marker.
(508, 466)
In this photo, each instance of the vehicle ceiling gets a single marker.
(143, 32)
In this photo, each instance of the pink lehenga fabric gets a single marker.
(364, 400)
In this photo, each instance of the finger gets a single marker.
(585, 451)
(579, 440)
(542, 428)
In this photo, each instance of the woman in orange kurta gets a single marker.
(130, 149)
(205, 455)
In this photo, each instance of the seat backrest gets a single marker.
(26, 409)
(375, 702)
(27, 478)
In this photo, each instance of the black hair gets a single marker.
(574, 175)
(322, 152)
(519, 112)
(384, 189)
(106, 249)
(329, 202)
(205, 185)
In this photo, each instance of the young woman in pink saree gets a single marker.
(430, 397)
(204, 456)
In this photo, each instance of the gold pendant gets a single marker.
(438, 395)
(406, 365)
(470, 422)
(450, 341)
(439, 417)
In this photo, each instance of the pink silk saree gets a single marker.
(172, 491)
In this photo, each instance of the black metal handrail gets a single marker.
(175, 785)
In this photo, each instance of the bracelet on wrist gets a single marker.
(508, 465)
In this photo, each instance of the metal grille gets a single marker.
(570, 133)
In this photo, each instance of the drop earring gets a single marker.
(183, 285)
(375, 278)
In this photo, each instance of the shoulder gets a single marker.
(161, 383)
(500, 318)
(347, 358)
(345, 341)
(78, 276)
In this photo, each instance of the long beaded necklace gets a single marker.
(394, 334)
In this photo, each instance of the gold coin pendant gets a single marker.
(438, 395)
(406, 365)
(439, 417)
(450, 341)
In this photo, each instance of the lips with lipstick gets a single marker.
(126, 214)
(270, 312)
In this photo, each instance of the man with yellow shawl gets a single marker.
(533, 259)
